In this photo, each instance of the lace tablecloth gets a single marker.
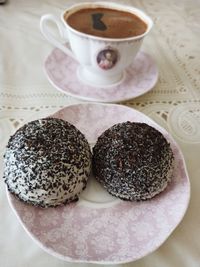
(174, 103)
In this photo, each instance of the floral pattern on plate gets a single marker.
(140, 78)
(100, 228)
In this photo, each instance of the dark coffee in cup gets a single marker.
(106, 22)
(103, 37)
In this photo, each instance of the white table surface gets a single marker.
(174, 103)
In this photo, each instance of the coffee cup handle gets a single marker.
(45, 29)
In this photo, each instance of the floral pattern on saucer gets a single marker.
(140, 78)
(100, 233)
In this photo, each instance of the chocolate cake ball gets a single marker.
(47, 162)
(133, 161)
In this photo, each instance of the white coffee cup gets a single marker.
(87, 49)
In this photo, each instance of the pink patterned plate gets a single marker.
(140, 78)
(100, 228)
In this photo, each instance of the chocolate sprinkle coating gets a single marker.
(47, 162)
(133, 161)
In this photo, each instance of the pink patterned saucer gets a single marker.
(100, 228)
(140, 78)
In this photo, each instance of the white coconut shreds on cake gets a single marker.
(133, 161)
(47, 163)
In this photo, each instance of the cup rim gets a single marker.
(127, 8)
